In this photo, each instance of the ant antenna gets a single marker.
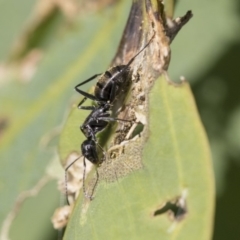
(146, 45)
(66, 178)
(133, 58)
(84, 178)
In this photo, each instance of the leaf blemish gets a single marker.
(176, 209)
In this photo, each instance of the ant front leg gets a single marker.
(110, 119)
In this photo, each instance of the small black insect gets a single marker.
(107, 89)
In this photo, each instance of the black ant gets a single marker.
(107, 89)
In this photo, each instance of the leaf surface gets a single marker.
(176, 165)
(13, 18)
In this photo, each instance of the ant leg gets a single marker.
(83, 100)
(83, 186)
(95, 185)
(84, 177)
(66, 179)
(88, 80)
(104, 153)
(87, 107)
(123, 120)
(85, 94)
(110, 119)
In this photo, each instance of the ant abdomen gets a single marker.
(112, 82)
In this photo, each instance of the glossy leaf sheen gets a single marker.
(176, 160)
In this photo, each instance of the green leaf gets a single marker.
(176, 165)
(14, 15)
(161, 183)
(46, 200)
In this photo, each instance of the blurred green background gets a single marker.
(207, 53)
(50, 38)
